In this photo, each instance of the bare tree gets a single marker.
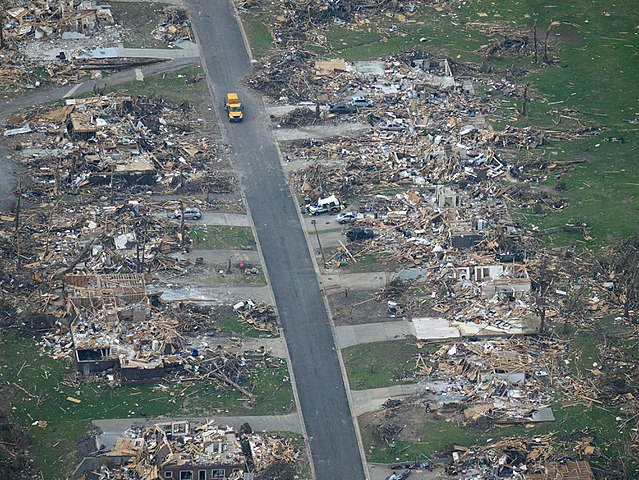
(623, 270)
(573, 306)
(544, 277)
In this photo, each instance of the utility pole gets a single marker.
(314, 223)
(2, 27)
(182, 234)
(524, 101)
(17, 224)
(535, 42)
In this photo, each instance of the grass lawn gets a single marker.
(39, 393)
(222, 237)
(434, 437)
(255, 22)
(187, 84)
(380, 364)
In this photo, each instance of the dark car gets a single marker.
(355, 234)
(342, 108)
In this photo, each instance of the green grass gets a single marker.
(380, 364)
(187, 84)
(255, 22)
(233, 325)
(222, 237)
(43, 378)
(438, 436)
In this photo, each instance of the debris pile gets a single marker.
(112, 323)
(175, 27)
(107, 144)
(47, 19)
(534, 458)
(261, 316)
(59, 36)
(499, 381)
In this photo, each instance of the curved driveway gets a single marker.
(319, 383)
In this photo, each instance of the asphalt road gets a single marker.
(320, 386)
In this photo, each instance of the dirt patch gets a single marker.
(358, 308)
(566, 34)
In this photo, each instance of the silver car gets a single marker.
(346, 217)
(190, 213)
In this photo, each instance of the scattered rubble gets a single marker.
(260, 315)
(175, 27)
(166, 450)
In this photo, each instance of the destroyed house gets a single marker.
(504, 279)
(81, 127)
(172, 450)
(111, 327)
(56, 17)
(509, 280)
(577, 470)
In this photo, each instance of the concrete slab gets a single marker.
(213, 295)
(275, 345)
(319, 131)
(349, 335)
(221, 257)
(428, 328)
(356, 281)
(418, 275)
(371, 400)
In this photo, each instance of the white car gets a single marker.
(346, 217)
(361, 102)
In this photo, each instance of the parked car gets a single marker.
(341, 108)
(325, 205)
(346, 217)
(362, 102)
(190, 213)
(394, 126)
(355, 234)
